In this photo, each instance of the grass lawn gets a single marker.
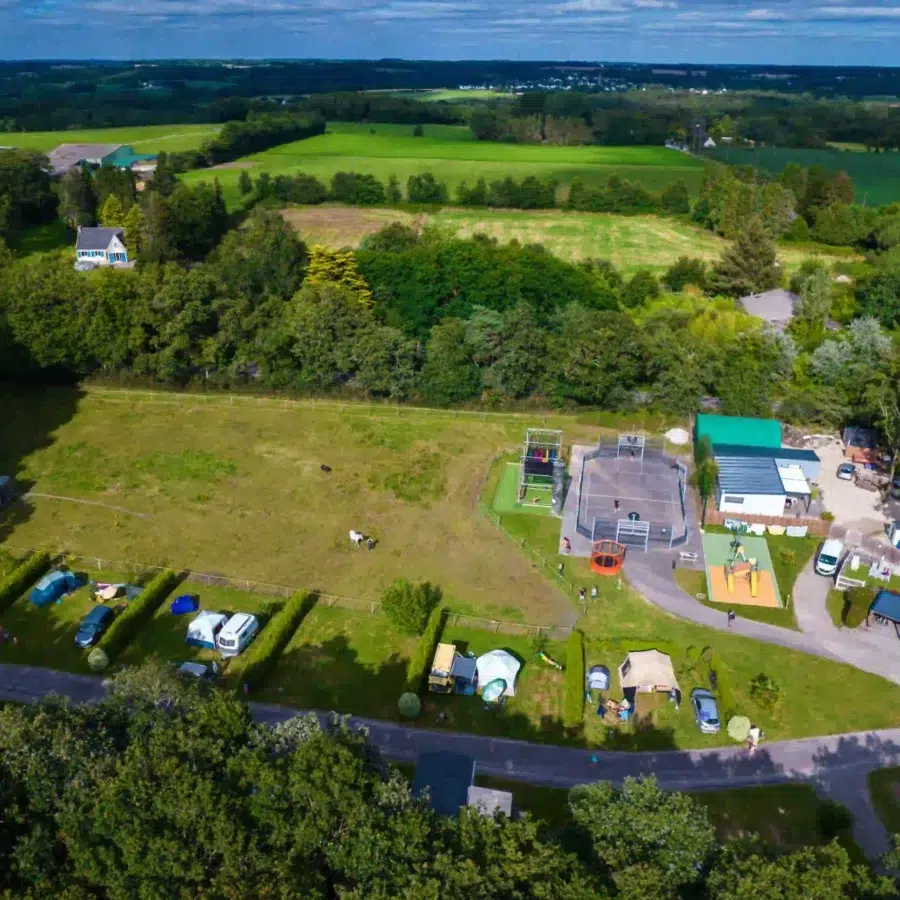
(46, 635)
(344, 661)
(44, 238)
(453, 95)
(238, 490)
(884, 786)
(144, 138)
(164, 634)
(786, 816)
(629, 242)
(450, 153)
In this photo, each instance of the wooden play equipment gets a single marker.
(607, 557)
(748, 571)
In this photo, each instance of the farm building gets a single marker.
(68, 156)
(738, 430)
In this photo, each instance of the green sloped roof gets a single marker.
(738, 430)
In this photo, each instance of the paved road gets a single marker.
(837, 766)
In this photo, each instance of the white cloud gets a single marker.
(860, 12)
(766, 15)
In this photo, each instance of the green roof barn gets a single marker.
(738, 430)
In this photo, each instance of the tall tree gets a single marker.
(77, 205)
(749, 265)
(327, 266)
(112, 214)
(450, 374)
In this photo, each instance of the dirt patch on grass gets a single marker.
(341, 226)
(238, 164)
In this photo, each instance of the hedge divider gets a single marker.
(420, 662)
(724, 690)
(573, 695)
(127, 624)
(14, 584)
(253, 666)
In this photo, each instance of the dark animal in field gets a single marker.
(325, 468)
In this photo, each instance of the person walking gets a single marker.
(616, 505)
(566, 546)
(582, 594)
(731, 617)
(753, 736)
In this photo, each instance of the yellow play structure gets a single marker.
(740, 580)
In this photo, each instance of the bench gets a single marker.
(688, 556)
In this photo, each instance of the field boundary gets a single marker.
(356, 604)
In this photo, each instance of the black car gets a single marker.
(93, 625)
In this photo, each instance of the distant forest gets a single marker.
(568, 102)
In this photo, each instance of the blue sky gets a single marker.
(790, 32)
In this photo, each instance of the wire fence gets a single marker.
(354, 604)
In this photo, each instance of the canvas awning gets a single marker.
(794, 481)
(648, 670)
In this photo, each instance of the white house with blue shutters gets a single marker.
(101, 246)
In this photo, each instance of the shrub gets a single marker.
(798, 232)
(723, 688)
(832, 819)
(408, 606)
(857, 602)
(97, 660)
(126, 625)
(827, 516)
(573, 696)
(257, 661)
(409, 705)
(788, 557)
(13, 586)
(420, 662)
(765, 692)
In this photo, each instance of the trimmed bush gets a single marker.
(420, 663)
(97, 660)
(765, 692)
(857, 603)
(23, 576)
(409, 705)
(573, 696)
(408, 606)
(127, 624)
(724, 690)
(253, 666)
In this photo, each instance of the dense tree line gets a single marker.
(26, 193)
(167, 789)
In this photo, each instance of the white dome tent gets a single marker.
(498, 664)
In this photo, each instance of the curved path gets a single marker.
(837, 765)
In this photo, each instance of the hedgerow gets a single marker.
(127, 624)
(253, 666)
(724, 689)
(573, 696)
(13, 586)
(420, 662)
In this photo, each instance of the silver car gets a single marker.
(706, 712)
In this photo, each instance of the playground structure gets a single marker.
(607, 557)
(739, 570)
(542, 470)
(633, 494)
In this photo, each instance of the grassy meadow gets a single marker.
(144, 138)
(453, 95)
(876, 176)
(629, 242)
(449, 152)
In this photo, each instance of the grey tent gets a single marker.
(598, 678)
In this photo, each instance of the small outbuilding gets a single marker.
(887, 606)
(446, 778)
(738, 430)
(646, 672)
(204, 628)
(489, 802)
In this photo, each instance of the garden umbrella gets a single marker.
(738, 728)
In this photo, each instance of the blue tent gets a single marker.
(52, 587)
(887, 605)
(184, 604)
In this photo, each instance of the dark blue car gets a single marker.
(93, 625)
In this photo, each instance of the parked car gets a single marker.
(93, 625)
(846, 471)
(236, 634)
(199, 670)
(706, 711)
(829, 557)
(895, 488)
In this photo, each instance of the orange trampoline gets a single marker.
(607, 557)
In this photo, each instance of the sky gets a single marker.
(788, 32)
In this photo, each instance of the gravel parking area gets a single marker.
(851, 506)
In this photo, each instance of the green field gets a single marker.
(629, 242)
(449, 152)
(144, 138)
(876, 176)
(453, 95)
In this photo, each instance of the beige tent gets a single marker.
(647, 670)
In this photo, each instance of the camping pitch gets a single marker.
(739, 570)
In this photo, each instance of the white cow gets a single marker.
(356, 538)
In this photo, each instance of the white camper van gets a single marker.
(829, 557)
(236, 634)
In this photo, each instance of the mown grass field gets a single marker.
(449, 152)
(144, 138)
(629, 242)
(453, 95)
(876, 176)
